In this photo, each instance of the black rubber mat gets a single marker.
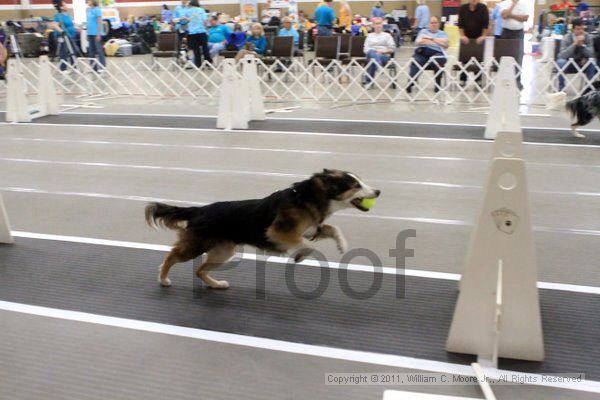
(345, 127)
(121, 282)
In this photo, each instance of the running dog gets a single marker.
(583, 108)
(285, 221)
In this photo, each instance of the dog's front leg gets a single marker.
(331, 231)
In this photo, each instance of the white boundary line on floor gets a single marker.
(445, 185)
(215, 130)
(284, 346)
(568, 231)
(285, 260)
(328, 120)
(277, 150)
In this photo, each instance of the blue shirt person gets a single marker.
(497, 18)
(180, 15)
(430, 53)
(94, 35)
(377, 10)
(166, 14)
(288, 30)
(66, 44)
(422, 15)
(65, 22)
(324, 17)
(197, 18)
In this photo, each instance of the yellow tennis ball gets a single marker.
(368, 203)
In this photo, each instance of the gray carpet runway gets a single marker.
(121, 282)
(346, 127)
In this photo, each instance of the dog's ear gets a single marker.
(327, 171)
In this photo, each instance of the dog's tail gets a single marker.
(571, 107)
(163, 215)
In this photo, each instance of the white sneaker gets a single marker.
(66, 72)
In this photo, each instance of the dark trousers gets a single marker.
(198, 42)
(518, 36)
(95, 50)
(427, 61)
(64, 51)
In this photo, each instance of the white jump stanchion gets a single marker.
(501, 254)
(504, 110)
(17, 109)
(250, 80)
(5, 235)
(508, 145)
(231, 114)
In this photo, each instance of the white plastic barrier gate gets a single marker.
(498, 311)
(5, 236)
(241, 99)
(17, 109)
(504, 109)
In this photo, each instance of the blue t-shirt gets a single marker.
(324, 15)
(582, 7)
(292, 32)
(437, 35)
(377, 12)
(66, 23)
(497, 18)
(218, 34)
(422, 15)
(167, 15)
(260, 43)
(92, 21)
(181, 11)
(198, 18)
(237, 39)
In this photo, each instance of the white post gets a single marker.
(47, 97)
(5, 236)
(16, 102)
(504, 110)
(502, 232)
(508, 145)
(250, 78)
(231, 115)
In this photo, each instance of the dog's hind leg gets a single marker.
(182, 251)
(326, 231)
(216, 257)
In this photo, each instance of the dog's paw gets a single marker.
(298, 258)
(164, 282)
(576, 134)
(219, 285)
(342, 245)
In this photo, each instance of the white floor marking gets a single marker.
(270, 174)
(278, 150)
(567, 231)
(285, 260)
(338, 135)
(288, 347)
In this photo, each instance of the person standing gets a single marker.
(379, 47)
(94, 35)
(180, 18)
(65, 36)
(197, 37)
(514, 16)
(345, 21)
(497, 19)
(325, 18)
(166, 14)
(473, 23)
(421, 16)
(377, 11)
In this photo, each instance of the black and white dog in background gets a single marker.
(583, 109)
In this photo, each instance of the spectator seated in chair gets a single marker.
(288, 30)
(257, 38)
(431, 44)
(576, 45)
(236, 39)
(379, 47)
(217, 37)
